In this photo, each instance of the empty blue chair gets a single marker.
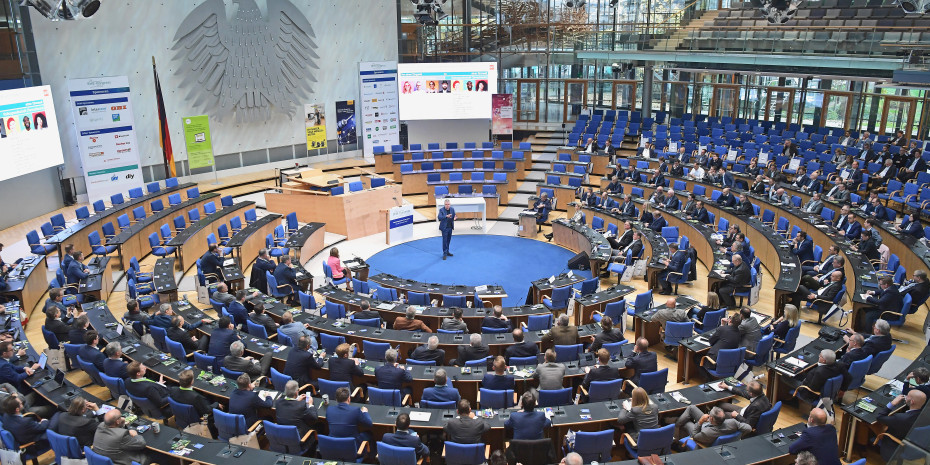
(676, 331)
(559, 300)
(389, 397)
(453, 301)
(710, 321)
(94, 458)
(554, 398)
(374, 350)
(604, 390)
(880, 359)
(344, 449)
(417, 298)
(654, 382)
(333, 311)
(395, 455)
(538, 322)
(728, 361)
(594, 447)
(82, 213)
(184, 414)
(99, 206)
(465, 454)
(767, 420)
(857, 371)
(206, 362)
(64, 446)
(650, 441)
(496, 399)
(229, 425)
(567, 353)
(286, 439)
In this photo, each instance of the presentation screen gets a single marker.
(446, 90)
(29, 134)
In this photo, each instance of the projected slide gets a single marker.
(29, 134)
(446, 90)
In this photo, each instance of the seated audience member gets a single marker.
(816, 378)
(294, 329)
(178, 334)
(89, 351)
(140, 386)
(466, 428)
(608, 335)
(562, 333)
(238, 361)
(391, 376)
(819, 438)
(291, 409)
(550, 374)
(900, 423)
(670, 312)
(726, 337)
(520, 347)
(498, 379)
(641, 360)
(348, 421)
(24, 428)
(365, 312)
(259, 317)
(641, 415)
(921, 376)
(343, 368)
(120, 444)
(758, 403)
(749, 329)
(9, 372)
(441, 391)
(184, 393)
(888, 298)
(409, 322)
(497, 321)
(456, 323)
(430, 352)
(245, 401)
(528, 423)
(880, 340)
(301, 362)
(222, 338)
(602, 371)
(790, 318)
(78, 421)
(475, 350)
(403, 436)
(704, 428)
(114, 365)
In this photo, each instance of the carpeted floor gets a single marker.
(511, 262)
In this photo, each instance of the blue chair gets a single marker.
(160, 335)
(589, 286)
(857, 371)
(157, 248)
(149, 408)
(417, 298)
(97, 248)
(615, 349)
(728, 361)
(680, 276)
(333, 311)
(567, 353)
(286, 439)
(690, 444)
(595, 446)
(831, 388)
(538, 322)
(554, 398)
(898, 318)
(344, 449)
(36, 246)
(307, 302)
(231, 374)
(762, 353)
(653, 383)
(676, 331)
(229, 425)
(184, 414)
(559, 300)
(206, 362)
(64, 446)
(481, 362)
(787, 346)
(615, 310)
(453, 300)
(489, 330)
(374, 350)
(278, 380)
(371, 322)
(389, 397)
(116, 386)
(411, 361)
(651, 441)
(176, 349)
(465, 454)
(496, 399)
(641, 303)
(91, 370)
(256, 330)
(278, 291)
(767, 420)
(329, 342)
(330, 387)
(328, 273)
(94, 458)
(395, 455)
(880, 359)
(711, 321)
(439, 405)
(603, 390)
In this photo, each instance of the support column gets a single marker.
(647, 90)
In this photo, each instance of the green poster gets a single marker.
(198, 142)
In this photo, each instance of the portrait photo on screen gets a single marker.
(450, 90)
(29, 139)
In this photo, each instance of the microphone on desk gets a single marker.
(396, 201)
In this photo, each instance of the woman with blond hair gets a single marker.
(713, 303)
(790, 318)
(641, 415)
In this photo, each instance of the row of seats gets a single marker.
(452, 146)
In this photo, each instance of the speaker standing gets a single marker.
(446, 225)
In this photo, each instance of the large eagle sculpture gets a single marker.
(250, 66)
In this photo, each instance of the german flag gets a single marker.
(164, 135)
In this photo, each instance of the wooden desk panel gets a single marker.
(353, 214)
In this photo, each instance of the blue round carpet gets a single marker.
(511, 262)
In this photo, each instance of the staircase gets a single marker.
(672, 42)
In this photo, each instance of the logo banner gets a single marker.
(380, 114)
(316, 126)
(502, 114)
(106, 135)
(198, 142)
(345, 122)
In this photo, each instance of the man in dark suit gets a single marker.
(822, 298)
(347, 421)
(430, 351)
(245, 401)
(466, 428)
(89, 351)
(222, 337)
(262, 264)
(918, 288)
(600, 372)
(657, 179)
(880, 340)
(76, 270)
(475, 350)
(211, 263)
(25, 429)
(140, 386)
(790, 149)
(885, 174)
(441, 391)
(816, 378)
(178, 334)
(404, 437)
(627, 208)
(259, 317)
(497, 321)
(737, 277)
(726, 337)
(700, 213)
(446, 217)
(301, 362)
(854, 351)
(237, 309)
(184, 393)
(55, 323)
(520, 347)
(10, 373)
(921, 376)
(365, 312)
(819, 438)
(285, 275)
(607, 335)
(758, 403)
(899, 424)
(114, 365)
(825, 267)
(803, 247)
(391, 376)
(726, 198)
(658, 222)
(886, 299)
(78, 330)
(868, 246)
(528, 424)
(641, 360)
(237, 361)
(674, 263)
(291, 409)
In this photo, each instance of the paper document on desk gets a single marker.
(794, 361)
(229, 262)
(864, 296)
(420, 416)
(386, 306)
(716, 387)
(481, 288)
(680, 398)
(263, 394)
(759, 318)
(702, 340)
(724, 262)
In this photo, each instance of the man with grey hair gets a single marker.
(121, 444)
(292, 409)
(704, 428)
(294, 330)
(805, 458)
(816, 378)
(236, 361)
(880, 340)
(430, 352)
(572, 458)
(918, 288)
(409, 322)
(854, 351)
(264, 263)
(222, 294)
(392, 376)
(562, 333)
(114, 365)
(475, 350)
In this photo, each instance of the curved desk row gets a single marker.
(417, 182)
(579, 238)
(307, 241)
(27, 282)
(251, 238)
(599, 159)
(193, 240)
(489, 293)
(389, 163)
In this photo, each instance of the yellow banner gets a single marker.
(316, 126)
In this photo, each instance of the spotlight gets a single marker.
(778, 11)
(613, 3)
(917, 7)
(574, 3)
(429, 12)
(64, 9)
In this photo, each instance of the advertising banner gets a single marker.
(502, 114)
(380, 114)
(198, 142)
(106, 135)
(345, 122)
(316, 126)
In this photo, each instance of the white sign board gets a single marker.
(400, 224)
(380, 114)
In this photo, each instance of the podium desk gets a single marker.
(580, 238)
(419, 182)
(467, 205)
(563, 195)
(99, 284)
(528, 227)
(477, 188)
(352, 214)
(599, 160)
(777, 375)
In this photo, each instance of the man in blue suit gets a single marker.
(347, 421)
(886, 299)
(853, 229)
(528, 424)
(237, 308)
(899, 424)
(446, 217)
(403, 437)
(114, 366)
(10, 373)
(245, 401)
(223, 336)
(24, 429)
(391, 376)
(263, 264)
(803, 247)
(301, 362)
(921, 376)
(284, 274)
(673, 263)
(819, 439)
(658, 222)
(76, 270)
(211, 263)
(700, 213)
(89, 351)
(726, 199)
(441, 392)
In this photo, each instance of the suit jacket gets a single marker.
(243, 402)
(640, 420)
(805, 250)
(627, 209)
(441, 394)
(709, 433)
(211, 263)
(898, 425)
(563, 335)
(600, 373)
(401, 438)
(527, 425)
(346, 420)
(701, 215)
(550, 375)
(76, 335)
(645, 362)
(12, 374)
(265, 321)
(522, 349)
(149, 389)
(183, 337)
(605, 337)
(300, 365)
(257, 278)
(875, 344)
(284, 274)
(755, 409)
(239, 313)
(466, 430)
(293, 412)
(191, 397)
(93, 355)
(75, 272)
(423, 354)
(726, 200)
(343, 369)
(494, 322)
(740, 276)
(726, 337)
(497, 382)
(220, 340)
(446, 219)
(827, 293)
(24, 429)
(60, 328)
(115, 368)
(120, 446)
(250, 367)
(391, 377)
(657, 224)
(917, 291)
(402, 323)
(81, 427)
(751, 333)
(468, 353)
(820, 441)
(819, 375)
(852, 356)
(887, 300)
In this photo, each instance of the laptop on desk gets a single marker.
(113, 334)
